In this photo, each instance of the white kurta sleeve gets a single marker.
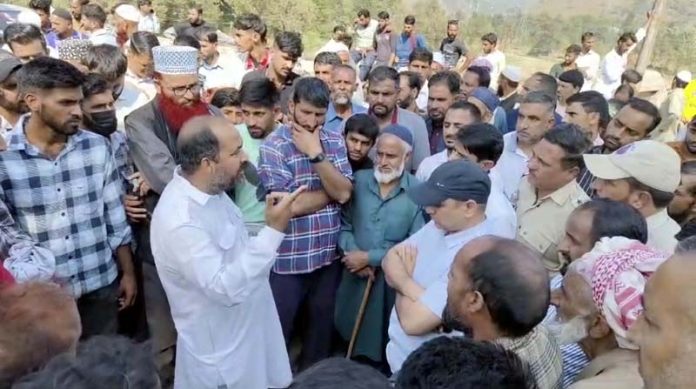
(223, 270)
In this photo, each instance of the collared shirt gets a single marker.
(499, 210)
(103, 37)
(671, 112)
(70, 205)
(662, 231)
(311, 239)
(617, 369)
(216, 280)
(428, 166)
(335, 123)
(150, 23)
(5, 128)
(385, 46)
(422, 98)
(227, 71)
(119, 149)
(612, 67)
(405, 44)
(541, 222)
(511, 166)
(435, 136)
(436, 251)
(421, 145)
(497, 59)
(253, 210)
(145, 85)
(540, 350)
(131, 98)
(365, 36)
(251, 64)
(588, 63)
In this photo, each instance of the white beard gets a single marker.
(568, 332)
(386, 178)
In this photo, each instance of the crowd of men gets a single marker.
(434, 216)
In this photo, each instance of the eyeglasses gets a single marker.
(181, 91)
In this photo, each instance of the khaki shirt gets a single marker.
(662, 230)
(617, 369)
(541, 222)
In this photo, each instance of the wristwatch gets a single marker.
(319, 158)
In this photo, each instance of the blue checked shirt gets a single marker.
(70, 205)
(310, 241)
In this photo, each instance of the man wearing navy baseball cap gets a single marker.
(455, 197)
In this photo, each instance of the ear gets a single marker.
(598, 327)
(291, 106)
(475, 302)
(33, 101)
(637, 199)
(277, 114)
(486, 164)
(574, 171)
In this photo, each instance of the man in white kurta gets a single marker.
(215, 276)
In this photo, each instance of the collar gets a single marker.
(250, 63)
(17, 140)
(191, 191)
(454, 240)
(658, 219)
(515, 344)
(563, 194)
(213, 66)
(404, 183)
(331, 113)
(510, 144)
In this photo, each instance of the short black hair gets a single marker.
(63, 14)
(311, 90)
(22, 33)
(631, 76)
(574, 77)
(661, 199)
(340, 373)
(364, 13)
(574, 142)
(41, 5)
(574, 49)
(94, 84)
(362, 124)
(467, 106)
(421, 54)
(101, 361)
(484, 75)
(625, 88)
(647, 108)
(187, 40)
(339, 28)
(193, 149)
(260, 92)
(628, 36)
(251, 22)
(448, 78)
(107, 60)
(94, 12)
(383, 73)
(142, 43)
(482, 140)
(198, 8)
(415, 81)
(593, 102)
(206, 34)
(46, 73)
(410, 20)
(290, 43)
(383, 15)
(226, 97)
(586, 35)
(491, 38)
(547, 84)
(327, 58)
(463, 363)
(614, 218)
(453, 22)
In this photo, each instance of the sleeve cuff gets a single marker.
(272, 238)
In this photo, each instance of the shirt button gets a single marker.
(58, 189)
(62, 214)
(67, 237)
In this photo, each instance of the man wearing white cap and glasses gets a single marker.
(126, 19)
(508, 81)
(643, 174)
(672, 109)
(152, 135)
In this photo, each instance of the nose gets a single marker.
(243, 156)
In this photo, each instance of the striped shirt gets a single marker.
(70, 205)
(310, 241)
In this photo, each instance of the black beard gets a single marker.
(451, 323)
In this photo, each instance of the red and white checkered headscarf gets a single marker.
(617, 269)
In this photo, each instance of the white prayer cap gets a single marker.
(29, 17)
(128, 12)
(175, 59)
(684, 75)
(439, 58)
(512, 73)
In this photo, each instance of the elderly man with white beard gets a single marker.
(343, 84)
(379, 216)
(598, 302)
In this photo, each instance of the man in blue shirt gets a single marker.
(342, 86)
(408, 41)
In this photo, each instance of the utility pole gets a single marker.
(646, 52)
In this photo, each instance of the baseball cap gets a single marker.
(8, 64)
(400, 131)
(459, 180)
(651, 163)
(512, 73)
(487, 97)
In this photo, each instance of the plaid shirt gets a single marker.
(310, 241)
(541, 352)
(70, 205)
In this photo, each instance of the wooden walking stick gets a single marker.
(359, 317)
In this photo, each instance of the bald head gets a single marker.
(511, 279)
(201, 138)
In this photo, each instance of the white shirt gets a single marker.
(422, 98)
(588, 63)
(147, 86)
(661, 231)
(364, 36)
(428, 165)
(511, 166)
(149, 23)
(216, 280)
(436, 253)
(103, 37)
(497, 59)
(499, 210)
(130, 99)
(228, 71)
(612, 67)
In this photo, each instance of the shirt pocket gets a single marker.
(536, 240)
